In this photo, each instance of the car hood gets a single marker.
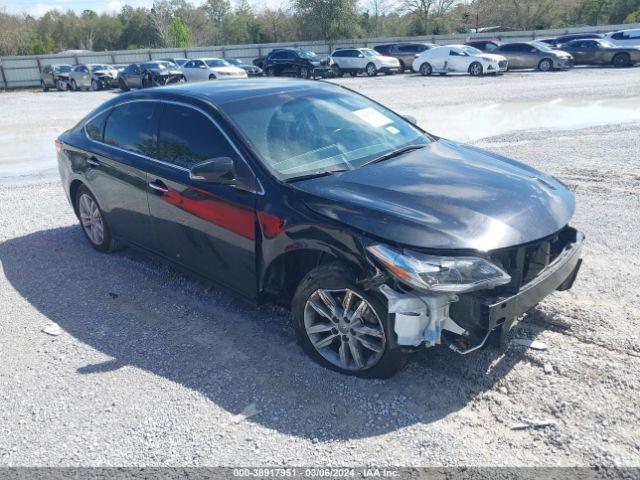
(110, 73)
(164, 71)
(445, 196)
(388, 60)
(228, 70)
(493, 57)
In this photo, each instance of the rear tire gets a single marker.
(303, 73)
(402, 67)
(44, 86)
(621, 60)
(95, 86)
(123, 85)
(337, 72)
(61, 86)
(92, 220)
(545, 65)
(351, 343)
(74, 85)
(212, 77)
(270, 72)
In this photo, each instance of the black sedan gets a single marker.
(601, 52)
(149, 74)
(380, 237)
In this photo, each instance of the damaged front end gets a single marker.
(463, 300)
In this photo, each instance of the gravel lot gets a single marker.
(150, 367)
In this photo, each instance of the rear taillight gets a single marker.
(58, 146)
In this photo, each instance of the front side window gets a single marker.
(313, 130)
(187, 137)
(217, 62)
(489, 47)
(129, 127)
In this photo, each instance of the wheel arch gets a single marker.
(73, 191)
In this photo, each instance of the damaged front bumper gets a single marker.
(420, 318)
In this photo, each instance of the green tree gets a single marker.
(327, 19)
(180, 33)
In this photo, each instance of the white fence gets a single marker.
(25, 71)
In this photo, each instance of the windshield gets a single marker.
(62, 69)
(542, 46)
(99, 67)
(234, 61)
(217, 62)
(307, 54)
(369, 52)
(472, 50)
(317, 130)
(159, 65)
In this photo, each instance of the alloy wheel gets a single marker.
(425, 69)
(475, 69)
(344, 328)
(545, 65)
(371, 70)
(91, 219)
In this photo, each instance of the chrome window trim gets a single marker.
(259, 191)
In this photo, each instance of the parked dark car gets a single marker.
(299, 63)
(487, 46)
(55, 76)
(178, 61)
(534, 55)
(404, 52)
(602, 52)
(251, 70)
(558, 42)
(381, 238)
(150, 74)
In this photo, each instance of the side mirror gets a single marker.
(360, 55)
(214, 170)
(411, 119)
(202, 66)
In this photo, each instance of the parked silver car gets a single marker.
(93, 76)
(534, 55)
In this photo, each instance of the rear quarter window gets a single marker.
(94, 128)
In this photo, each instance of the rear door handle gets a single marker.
(158, 186)
(93, 161)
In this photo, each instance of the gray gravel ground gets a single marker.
(153, 368)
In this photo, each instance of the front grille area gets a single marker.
(525, 262)
(502, 64)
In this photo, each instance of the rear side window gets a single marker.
(186, 137)
(95, 126)
(129, 127)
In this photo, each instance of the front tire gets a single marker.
(95, 86)
(61, 86)
(44, 86)
(303, 73)
(545, 65)
(402, 67)
(371, 70)
(94, 225)
(270, 72)
(475, 69)
(337, 72)
(123, 85)
(74, 85)
(342, 327)
(426, 69)
(621, 60)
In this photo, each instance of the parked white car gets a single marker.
(459, 59)
(624, 38)
(201, 69)
(362, 60)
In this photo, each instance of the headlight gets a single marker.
(439, 274)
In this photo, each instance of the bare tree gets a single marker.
(161, 16)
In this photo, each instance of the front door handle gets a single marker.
(158, 186)
(93, 161)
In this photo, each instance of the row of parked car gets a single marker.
(143, 75)
(477, 57)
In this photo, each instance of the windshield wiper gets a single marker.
(316, 175)
(393, 153)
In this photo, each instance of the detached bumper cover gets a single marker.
(559, 275)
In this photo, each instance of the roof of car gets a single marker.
(229, 90)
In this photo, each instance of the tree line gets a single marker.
(179, 23)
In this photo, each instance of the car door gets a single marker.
(84, 77)
(123, 143)
(131, 75)
(458, 61)
(207, 227)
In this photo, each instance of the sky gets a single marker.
(37, 8)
